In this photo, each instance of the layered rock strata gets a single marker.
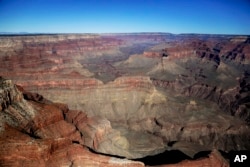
(28, 137)
(34, 133)
(175, 89)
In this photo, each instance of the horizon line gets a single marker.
(111, 33)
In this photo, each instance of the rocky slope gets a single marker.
(38, 132)
(34, 133)
(132, 95)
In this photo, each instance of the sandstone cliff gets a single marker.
(38, 132)
(131, 95)
(34, 133)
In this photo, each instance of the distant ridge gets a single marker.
(40, 34)
(126, 33)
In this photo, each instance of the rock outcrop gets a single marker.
(130, 95)
(53, 135)
(22, 150)
(33, 132)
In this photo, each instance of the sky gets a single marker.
(124, 16)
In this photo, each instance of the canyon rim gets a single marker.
(118, 99)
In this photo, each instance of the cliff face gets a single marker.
(38, 132)
(216, 70)
(131, 95)
(34, 133)
(46, 52)
(233, 101)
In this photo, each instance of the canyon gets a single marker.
(119, 99)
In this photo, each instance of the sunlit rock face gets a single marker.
(132, 95)
(43, 143)
(33, 132)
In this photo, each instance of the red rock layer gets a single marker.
(49, 140)
(211, 49)
(18, 149)
(39, 51)
(44, 138)
(152, 54)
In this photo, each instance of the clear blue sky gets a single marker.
(104, 16)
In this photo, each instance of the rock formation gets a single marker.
(129, 95)
(34, 133)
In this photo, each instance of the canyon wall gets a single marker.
(130, 95)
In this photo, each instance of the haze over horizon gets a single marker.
(100, 16)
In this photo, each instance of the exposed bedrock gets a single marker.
(132, 107)
(18, 149)
(53, 57)
(42, 137)
(234, 101)
(99, 135)
(34, 117)
(33, 132)
(127, 98)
